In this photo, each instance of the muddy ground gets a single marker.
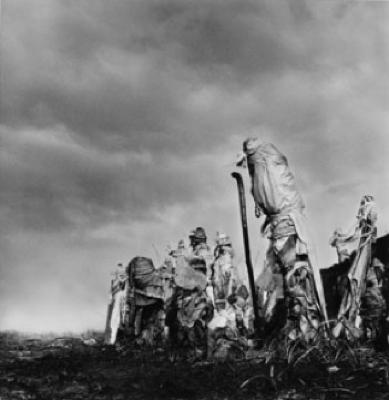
(71, 368)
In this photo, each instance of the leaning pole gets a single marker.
(249, 264)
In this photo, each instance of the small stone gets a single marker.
(332, 369)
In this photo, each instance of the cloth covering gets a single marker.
(224, 275)
(203, 251)
(191, 305)
(144, 277)
(362, 296)
(190, 294)
(187, 277)
(273, 184)
(189, 309)
(276, 196)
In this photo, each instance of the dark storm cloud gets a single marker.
(124, 75)
(128, 69)
(51, 182)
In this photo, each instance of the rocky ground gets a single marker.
(74, 368)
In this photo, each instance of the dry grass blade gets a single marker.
(304, 355)
(352, 352)
(290, 351)
(338, 353)
(344, 390)
(260, 376)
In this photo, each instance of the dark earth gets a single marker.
(76, 368)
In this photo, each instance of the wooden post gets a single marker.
(249, 264)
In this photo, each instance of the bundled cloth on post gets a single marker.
(290, 255)
(189, 309)
(224, 280)
(138, 296)
(362, 298)
(144, 278)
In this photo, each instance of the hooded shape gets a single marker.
(222, 239)
(273, 184)
(198, 233)
(250, 145)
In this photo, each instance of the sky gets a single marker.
(120, 122)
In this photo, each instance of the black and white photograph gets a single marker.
(194, 199)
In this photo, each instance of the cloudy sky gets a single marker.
(119, 122)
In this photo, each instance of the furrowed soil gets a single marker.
(69, 368)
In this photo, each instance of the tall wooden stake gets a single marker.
(249, 264)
